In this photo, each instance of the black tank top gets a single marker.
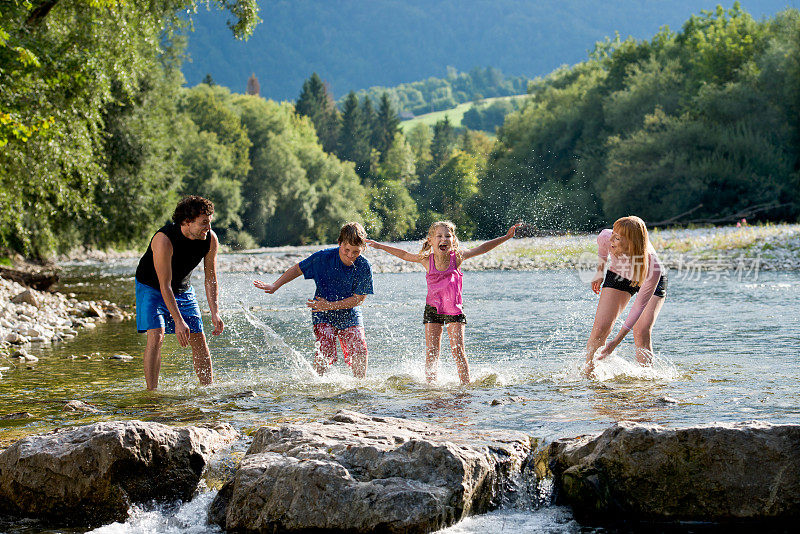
(186, 255)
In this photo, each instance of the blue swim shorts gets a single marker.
(152, 311)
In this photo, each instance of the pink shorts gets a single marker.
(353, 340)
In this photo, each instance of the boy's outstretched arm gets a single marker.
(489, 245)
(290, 274)
(394, 251)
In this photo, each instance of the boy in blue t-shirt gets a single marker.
(344, 279)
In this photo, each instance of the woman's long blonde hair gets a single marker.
(426, 250)
(633, 229)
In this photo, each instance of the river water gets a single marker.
(725, 344)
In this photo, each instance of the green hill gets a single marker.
(357, 45)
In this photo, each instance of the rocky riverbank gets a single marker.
(28, 316)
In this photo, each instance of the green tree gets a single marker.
(354, 136)
(210, 166)
(369, 118)
(398, 162)
(716, 44)
(451, 190)
(387, 125)
(217, 156)
(296, 193)
(142, 144)
(675, 165)
(397, 212)
(66, 69)
(443, 142)
(419, 139)
(316, 103)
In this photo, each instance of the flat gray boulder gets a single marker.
(361, 474)
(90, 475)
(720, 473)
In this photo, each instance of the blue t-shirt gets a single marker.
(336, 281)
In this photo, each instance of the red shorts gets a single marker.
(353, 340)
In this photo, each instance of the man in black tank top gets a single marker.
(165, 300)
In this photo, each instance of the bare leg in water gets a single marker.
(433, 340)
(612, 302)
(456, 333)
(643, 330)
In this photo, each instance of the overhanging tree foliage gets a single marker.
(73, 75)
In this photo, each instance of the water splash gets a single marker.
(619, 366)
(298, 362)
(553, 520)
(180, 518)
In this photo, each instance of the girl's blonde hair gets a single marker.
(426, 250)
(633, 229)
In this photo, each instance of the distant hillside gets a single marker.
(355, 45)
(439, 94)
(456, 115)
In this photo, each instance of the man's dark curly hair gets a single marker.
(192, 207)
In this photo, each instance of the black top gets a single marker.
(186, 255)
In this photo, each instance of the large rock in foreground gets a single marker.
(358, 473)
(90, 475)
(720, 472)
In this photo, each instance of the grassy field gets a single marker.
(455, 114)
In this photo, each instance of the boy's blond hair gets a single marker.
(354, 234)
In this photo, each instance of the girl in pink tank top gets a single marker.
(441, 256)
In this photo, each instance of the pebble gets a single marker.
(506, 400)
(15, 416)
(80, 406)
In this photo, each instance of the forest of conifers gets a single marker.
(99, 137)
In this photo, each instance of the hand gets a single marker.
(319, 304)
(218, 324)
(608, 349)
(182, 333)
(268, 288)
(374, 244)
(513, 230)
(597, 283)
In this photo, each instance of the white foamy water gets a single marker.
(180, 518)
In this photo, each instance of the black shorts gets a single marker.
(432, 316)
(615, 281)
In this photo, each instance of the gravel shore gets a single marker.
(28, 316)
(768, 247)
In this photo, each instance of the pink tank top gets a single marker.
(444, 287)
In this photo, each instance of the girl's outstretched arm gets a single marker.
(399, 252)
(489, 245)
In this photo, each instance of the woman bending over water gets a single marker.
(633, 267)
(441, 255)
